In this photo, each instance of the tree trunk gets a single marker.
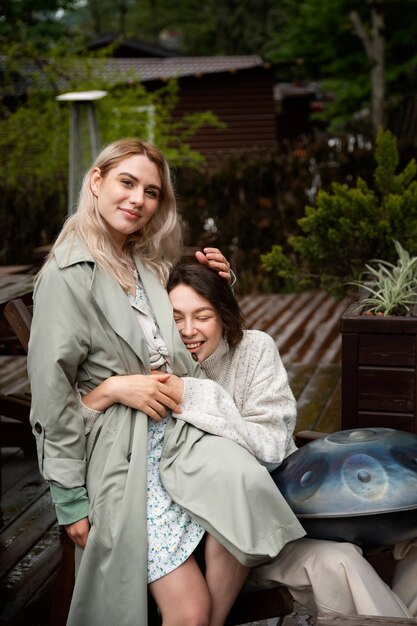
(374, 44)
(378, 68)
(96, 15)
(122, 17)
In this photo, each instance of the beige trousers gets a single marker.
(332, 577)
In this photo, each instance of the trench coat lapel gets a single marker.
(116, 308)
(108, 295)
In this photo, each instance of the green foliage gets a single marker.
(34, 133)
(37, 17)
(278, 264)
(392, 287)
(205, 27)
(307, 39)
(349, 225)
(251, 201)
(33, 178)
(321, 32)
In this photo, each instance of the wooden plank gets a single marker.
(298, 375)
(362, 620)
(308, 333)
(315, 395)
(379, 325)
(23, 493)
(15, 465)
(36, 612)
(400, 421)
(19, 586)
(305, 326)
(395, 350)
(19, 316)
(323, 338)
(14, 269)
(268, 309)
(16, 432)
(19, 537)
(386, 389)
(264, 310)
(276, 602)
(13, 378)
(329, 421)
(292, 318)
(349, 380)
(15, 286)
(260, 306)
(16, 407)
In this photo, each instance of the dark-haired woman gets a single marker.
(257, 410)
(248, 397)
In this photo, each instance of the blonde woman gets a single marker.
(102, 315)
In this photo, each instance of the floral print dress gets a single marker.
(172, 534)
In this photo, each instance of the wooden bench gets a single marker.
(15, 399)
(363, 620)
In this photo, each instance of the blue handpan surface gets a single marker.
(356, 485)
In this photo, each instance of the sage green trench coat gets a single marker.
(84, 330)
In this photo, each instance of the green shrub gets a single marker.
(350, 225)
(254, 199)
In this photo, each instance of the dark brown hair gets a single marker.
(210, 286)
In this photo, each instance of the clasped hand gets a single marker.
(154, 394)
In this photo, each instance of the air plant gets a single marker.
(392, 288)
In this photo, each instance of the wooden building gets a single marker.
(239, 90)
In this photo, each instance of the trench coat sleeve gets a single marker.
(265, 419)
(59, 342)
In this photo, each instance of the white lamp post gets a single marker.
(81, 101)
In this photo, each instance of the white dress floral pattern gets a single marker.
(172, 534)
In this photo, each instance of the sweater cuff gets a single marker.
(90, 415)
(71, 505)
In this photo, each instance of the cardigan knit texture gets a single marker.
(248, 398)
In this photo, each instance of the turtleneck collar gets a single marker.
(216, 365)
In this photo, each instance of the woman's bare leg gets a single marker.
(224, 577)
(182, 596)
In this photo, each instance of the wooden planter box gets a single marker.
(379, 384)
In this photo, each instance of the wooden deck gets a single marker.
(306, 330)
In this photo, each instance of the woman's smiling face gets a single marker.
(198, 322)
(128, 196)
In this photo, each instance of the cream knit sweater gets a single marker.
(247, 399)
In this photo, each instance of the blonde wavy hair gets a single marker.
(158, 243)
